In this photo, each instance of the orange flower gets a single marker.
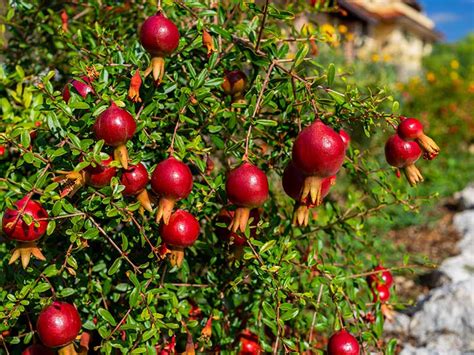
(64, 19)
(208, 42)
(134, 89)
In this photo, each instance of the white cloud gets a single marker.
(444, 17)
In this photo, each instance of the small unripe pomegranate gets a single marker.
(247, 188)
(403, 155)
(234, 84)
(383, 277)
(346, 138)
(100, 175)
(83, 87)
(293, 181)
(135, 180)
(160, 37)
(343, 343)
(16, 228)
(249, 343)
(172, 180)
(116, 126)
(37, 349)
(58, 324)
(381, 293)
(410, 129)
(181, 232)
(318, 152)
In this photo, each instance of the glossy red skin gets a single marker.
(249, 343)
(247, 186)
(410, 129)
(83, 88)
(134, 179)
(115, 126)
(172, 179)
(159, 36)
(293, 180)
(346, 138)
(381, 292)
(20, 231)
(318, 150)
(400, 153)
(234, 82)
(2, 149)
(182, 229)
(37, 349)
(225, 217)
(343, 343)
(385, 277)
(58, 324)
(100, 175)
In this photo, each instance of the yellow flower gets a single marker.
(328, 29)
(454, 75)
(342, 29)
(375, 57)
(430, 77)
(454, 64)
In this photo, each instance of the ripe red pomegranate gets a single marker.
(83, 88)
(249, 343)
(181, 231)
(37, 349)
(403, 155)
(346, 138)
(58, 324)
(247, 188)
(234, 84)
(116, 126)
(172, 181)
(343, 343)
(2, 150)
(160, 37)
(383, 277)
(15, 228)
(293, 181)
(381, 292)
(318, 152)
(410, 129)
(135, 180)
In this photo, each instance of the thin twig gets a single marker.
(262, 26)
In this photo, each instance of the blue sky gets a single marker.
(454, 18)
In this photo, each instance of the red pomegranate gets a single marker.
(318, 152)
(383, 277)
(381, 293)
(100, 175)
(2, 150)
(181, 232)
(160, 37)
(403, 155)
(172, 181)
(343, 343)
(346, 138)
(37, 349)
(249, 343)
(58, 324)
(234, 84)
(17, 229)
(116, 126)
(293, 181)
(247, 188)
(83, 88)
(410, 129)
(135, 180)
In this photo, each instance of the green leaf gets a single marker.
(268, 245)
(331, 74)
(107, 316)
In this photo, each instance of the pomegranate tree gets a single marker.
(247, 188)
(318, 152)
(403, 155)
(135, 180)
(171, 181)
(410, 129)
(26, 223)
(343, 343)
(116, 127)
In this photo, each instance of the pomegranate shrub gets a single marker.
(158, 219)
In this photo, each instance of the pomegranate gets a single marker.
(318, 152)
(83, 87)
(181, 231)
(383, 277)
(135, 180)
(2, 150)
(293, 180)
(343, 343)
(58, 324)
(116, 126)
(234, 84)
(381, 292)
(249, 343)
(160, 37)
(346, 138)
(16, 228)
(172, 181)
(247, 188)
(37, 349)
(410, 129)
(403, 155)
